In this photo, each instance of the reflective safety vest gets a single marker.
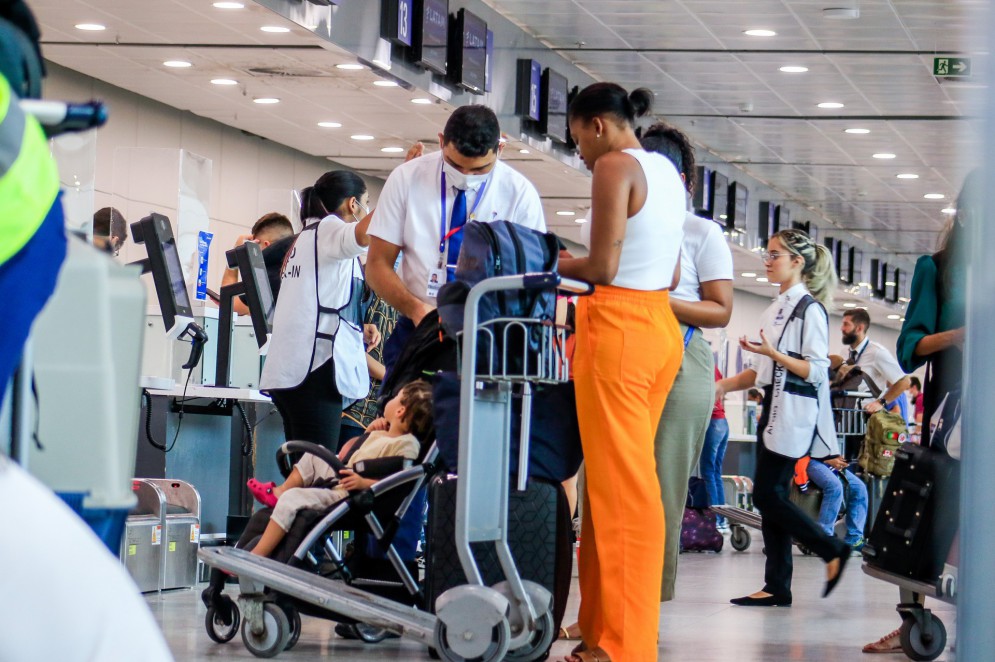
(29, 179)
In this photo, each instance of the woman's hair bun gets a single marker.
(641, 100)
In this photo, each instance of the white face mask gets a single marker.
(366, 210)
(462, 181)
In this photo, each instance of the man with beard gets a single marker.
(878, 364)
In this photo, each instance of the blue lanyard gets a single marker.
(443, 235)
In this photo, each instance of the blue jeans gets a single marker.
(832, 498)
(712, 455)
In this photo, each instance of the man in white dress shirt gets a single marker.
(422, 209)
(877, 363)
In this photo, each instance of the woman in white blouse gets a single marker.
(791, 365)
(316, 357)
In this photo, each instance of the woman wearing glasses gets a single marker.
(791, 365)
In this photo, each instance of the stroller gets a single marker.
(380, 561)
(473, 621)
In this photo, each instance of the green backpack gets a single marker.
(885, 433)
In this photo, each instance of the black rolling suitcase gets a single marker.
(918, 516)
(539, 534)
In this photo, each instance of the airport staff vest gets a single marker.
(29, 180)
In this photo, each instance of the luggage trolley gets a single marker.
(510, 620)
(851, 423)
(923, 635)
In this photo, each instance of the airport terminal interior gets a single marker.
(157, 386)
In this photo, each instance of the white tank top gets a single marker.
(653, 237)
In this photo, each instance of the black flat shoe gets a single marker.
(769, 601)
(831, 583)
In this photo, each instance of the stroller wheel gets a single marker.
(294, 618)
(217, 629)
(365, 633)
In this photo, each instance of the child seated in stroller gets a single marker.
(314, 484)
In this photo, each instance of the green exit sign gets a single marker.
(951, 66)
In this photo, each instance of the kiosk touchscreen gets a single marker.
(254, 287)
(163, 262)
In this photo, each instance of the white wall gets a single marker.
(250, 175)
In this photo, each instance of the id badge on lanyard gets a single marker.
(437, 277)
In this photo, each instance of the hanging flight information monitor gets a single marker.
(553, 104)
(467, 64)
(431, 34)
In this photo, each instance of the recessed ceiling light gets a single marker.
(830, 104)
(857, 131)
(391, 150)
(748, 274)
(274, 28)
(223, 81)
(901, 319)
(894, 317)
(91, 27)
(862, 284)
(229, 5)
(330, 125)
(908, 175)
(385, 83)
(904, 299)
(524, 151)
(883, 155)
(934, 196)
(361, 136)
(849, 305)
(580, 219)
(762, 279)
(889, 283)
(421, 101)
(759, 33)
(350, 67)
(177, 64)
(949, 210)
(266, 100)
(566, 212)
(794, 70)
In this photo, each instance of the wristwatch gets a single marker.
(883, 402)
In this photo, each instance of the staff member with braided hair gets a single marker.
(791, 364)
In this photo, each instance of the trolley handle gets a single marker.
(852, 394)
(549, 280)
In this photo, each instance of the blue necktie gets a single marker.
(456, 240)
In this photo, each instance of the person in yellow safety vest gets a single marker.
(32, 228)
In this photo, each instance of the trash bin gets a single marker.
(141, 545)
(181, 533)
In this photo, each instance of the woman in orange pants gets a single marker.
(628, 353)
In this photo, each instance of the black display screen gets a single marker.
(720, 198)
(739, 197)
(766, 220)
(468, 52)
(432, 34)
(553, 122)
(177, 283)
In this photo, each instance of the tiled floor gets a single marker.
(700, 626)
